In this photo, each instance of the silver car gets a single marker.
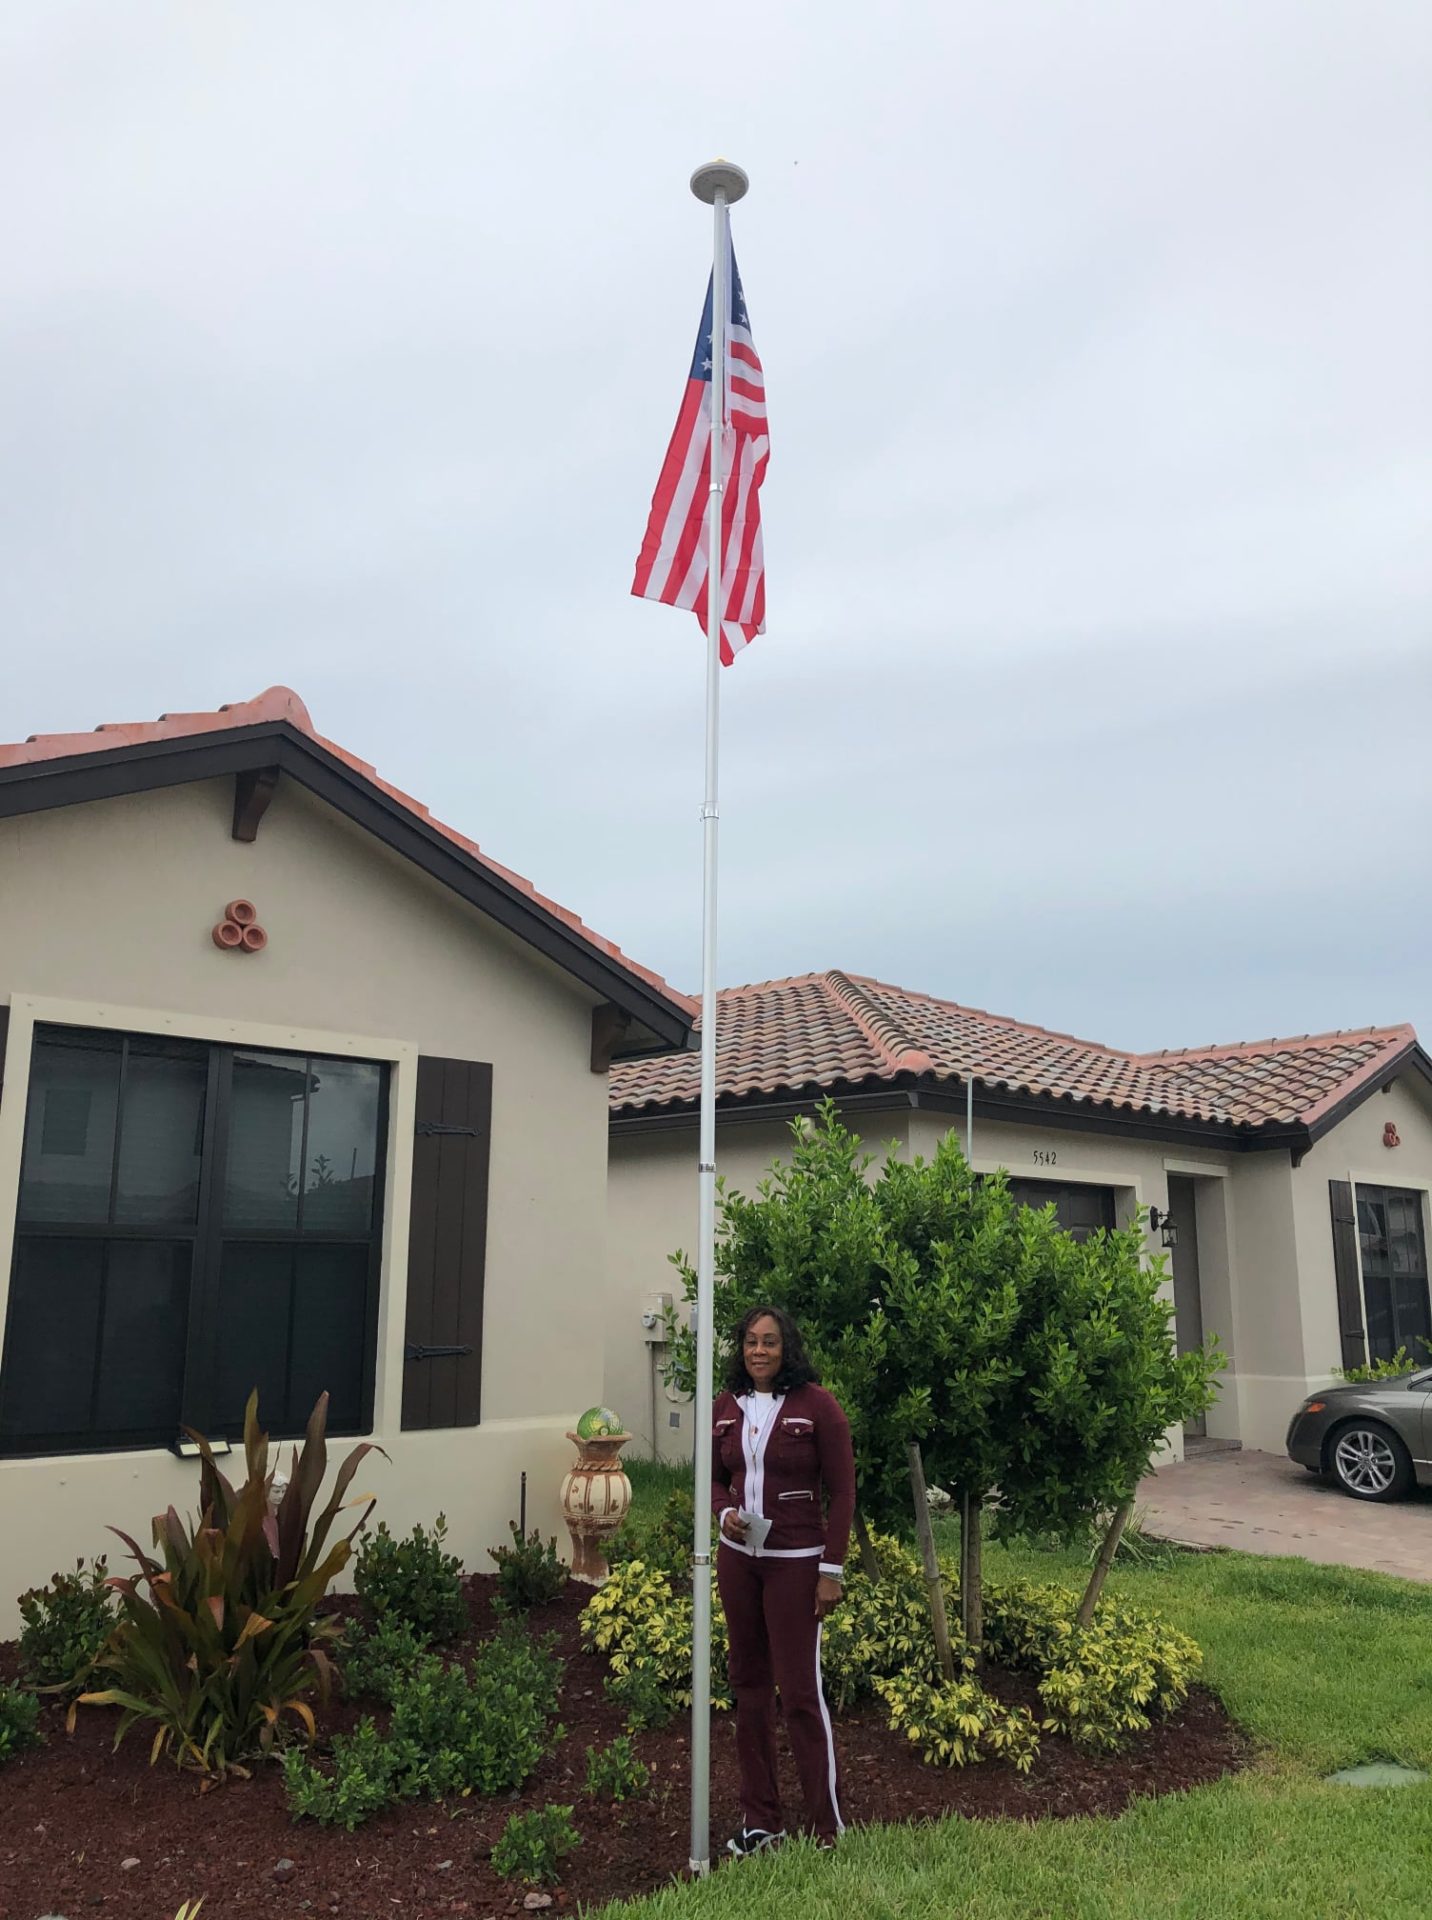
(1374, 1440)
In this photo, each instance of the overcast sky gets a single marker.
(340, 345)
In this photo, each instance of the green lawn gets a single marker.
(1324, 1666)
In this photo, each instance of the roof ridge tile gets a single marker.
(899, 1048)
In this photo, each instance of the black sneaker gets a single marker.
(752, 1840)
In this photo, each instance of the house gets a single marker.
(301, 1090)
(1291, 1175)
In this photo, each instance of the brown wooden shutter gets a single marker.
(1350, 1322)
(447, 1245)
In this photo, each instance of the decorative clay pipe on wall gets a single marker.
(239, 930)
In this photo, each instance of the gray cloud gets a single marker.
(340, 346)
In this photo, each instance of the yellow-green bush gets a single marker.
(1027, 1623)
(1114, 1678)
(639, 1621)
(882, 1627)
(958, 1723)
(1097, 1686)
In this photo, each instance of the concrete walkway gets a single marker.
(1265, 1503)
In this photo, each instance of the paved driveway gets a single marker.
(1265, 1503)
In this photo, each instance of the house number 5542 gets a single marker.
(1046, 1157)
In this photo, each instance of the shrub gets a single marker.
(452, 1731)
(533, 1845)
(646, 1700)
(1098, 1684)
(615, 1773)
(883, 1628)
(1401, 1363)
(364, 1780)
(19, 1721)
(664, 1544)
(640, 1622)
(958, 1723)
(374, 1659)
(1027, 1623)
(483, 1731)
(66, 1624)
(415, 1580)
(226, 1640)
(1115, 1676)
(528, 1573)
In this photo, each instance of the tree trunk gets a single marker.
(971, 1574)
(926, 1533)
(869, 1565)
(1102, 1565)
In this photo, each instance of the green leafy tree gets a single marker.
(1021, 1361)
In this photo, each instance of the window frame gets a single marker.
(1382, 1191)
(206, 1234)
(1054, 1191)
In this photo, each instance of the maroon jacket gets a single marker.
(798, 1470)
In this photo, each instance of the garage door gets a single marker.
(1080, 1210)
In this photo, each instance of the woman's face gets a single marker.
(761, 1352)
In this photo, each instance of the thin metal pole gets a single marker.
(706, 1225)
(969, 1120)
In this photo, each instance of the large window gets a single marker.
(1394, 1272)
(194, 1222)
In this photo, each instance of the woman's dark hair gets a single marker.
(796, 1369)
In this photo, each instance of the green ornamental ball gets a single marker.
(597, 1422)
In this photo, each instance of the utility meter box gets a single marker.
(654, 1309)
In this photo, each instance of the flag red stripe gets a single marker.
(673, 566)
(688, 421)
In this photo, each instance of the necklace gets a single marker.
(758, 1432)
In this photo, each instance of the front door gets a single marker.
(1187, 1288)
(1394, 1273)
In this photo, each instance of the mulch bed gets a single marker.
(72, 1812)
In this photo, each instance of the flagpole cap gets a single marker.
(719, 176)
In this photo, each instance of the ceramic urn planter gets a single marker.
(595, 1497)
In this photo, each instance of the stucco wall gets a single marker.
(107, 917)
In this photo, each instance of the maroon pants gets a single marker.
(775, 1647)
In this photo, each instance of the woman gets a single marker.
(783, 1493)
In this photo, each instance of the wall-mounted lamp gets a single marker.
(1165, 1226)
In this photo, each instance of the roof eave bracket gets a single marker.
(253, 789)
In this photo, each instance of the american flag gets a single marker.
(673, 564)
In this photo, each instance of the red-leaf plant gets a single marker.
(220, 1637)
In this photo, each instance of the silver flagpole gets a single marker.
(719, 185)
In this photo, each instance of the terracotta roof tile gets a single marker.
(837, 1031)
(282, 704)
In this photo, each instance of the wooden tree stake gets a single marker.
(869, 1565)
(1102, 1565)
(926, 1533)
(971, 1575)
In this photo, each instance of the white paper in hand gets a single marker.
(757, 1529)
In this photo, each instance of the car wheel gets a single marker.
(1369, 1461)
